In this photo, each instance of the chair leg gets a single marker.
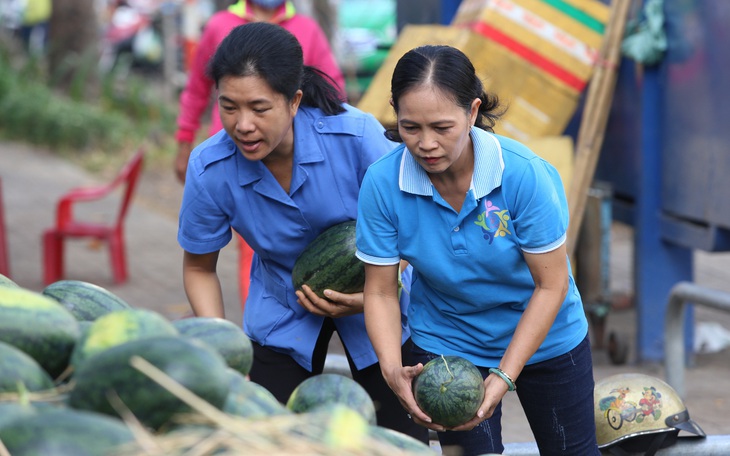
(52, 257)
(117, 252)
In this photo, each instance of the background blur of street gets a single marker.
(664, 159)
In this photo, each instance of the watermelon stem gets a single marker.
(445, 384)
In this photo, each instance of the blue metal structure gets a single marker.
(665, 155)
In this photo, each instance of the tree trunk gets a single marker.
(73, 41)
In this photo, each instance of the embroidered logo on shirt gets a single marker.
(493, 221)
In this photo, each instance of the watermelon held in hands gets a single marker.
(449, 389)
(329, 262)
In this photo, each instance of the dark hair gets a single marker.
(272, 53)
(448, 69)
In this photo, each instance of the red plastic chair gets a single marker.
(113, 232)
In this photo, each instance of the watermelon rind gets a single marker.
(329, 388)
(449, 390)
(38, 326)
(17, 367)
(400, 440)
(329, 262)
(118, 327)
(11, 411)
(86, 301)
(190, 363)
(224, 336)
(249, 399)
(65, 431)
(6, 281)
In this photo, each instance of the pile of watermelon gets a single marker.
(84, 373)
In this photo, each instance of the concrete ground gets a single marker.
(33, 179)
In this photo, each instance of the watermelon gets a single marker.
(190, 363)
(249, 399)
(11, 411)
(118, 327)
(17, 367)
(449, 389)
(331, 388)
(225, 337)
(329, 262)
(65, 431)
(6, 281)
(400, 440)
(39, 326)
(341, 427)
(84, 300)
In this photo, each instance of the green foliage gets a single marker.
(117, 113)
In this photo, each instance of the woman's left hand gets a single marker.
(336, 305)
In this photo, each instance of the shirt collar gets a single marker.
(488, 167)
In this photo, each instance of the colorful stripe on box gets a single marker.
(547, 31)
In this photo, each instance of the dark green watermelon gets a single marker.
(249, 399)
(224, 336)
(190, 363)
(329, 262)
(6, 281)
(329, 388)
(84, 300)
(11, 411)
(449, 389)
(400, 440)
(65, 432)
(18, 367)
(38, 326)
(118, 327)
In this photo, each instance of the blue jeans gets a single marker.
(557, 398)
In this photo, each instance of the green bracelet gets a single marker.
(510, 383)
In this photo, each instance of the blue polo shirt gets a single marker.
(471, 283)
(224, 191)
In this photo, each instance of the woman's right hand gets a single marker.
(181, 160)
(400, 380)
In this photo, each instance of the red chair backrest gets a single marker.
(129, 173)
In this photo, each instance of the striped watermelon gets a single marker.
(38, 326)
(6, 281)
(329, 262)
(249, 399)
(328, 388)
(65, 431)
(118, 327)
(18, 367)
(84, 300)
(224, 336)
(449, 389)
(190, 363)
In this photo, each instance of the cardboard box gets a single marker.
(536, 55)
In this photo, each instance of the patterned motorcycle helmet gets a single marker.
(639, 413)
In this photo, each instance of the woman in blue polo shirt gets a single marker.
(483, 222)
(287, 165)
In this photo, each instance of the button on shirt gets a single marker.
(224, 190)
(471, 283)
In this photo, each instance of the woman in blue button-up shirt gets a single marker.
(287, 166)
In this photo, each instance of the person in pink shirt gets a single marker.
(195, 97)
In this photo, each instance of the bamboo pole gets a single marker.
(595, 117)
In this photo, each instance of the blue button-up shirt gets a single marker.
(224, 190)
